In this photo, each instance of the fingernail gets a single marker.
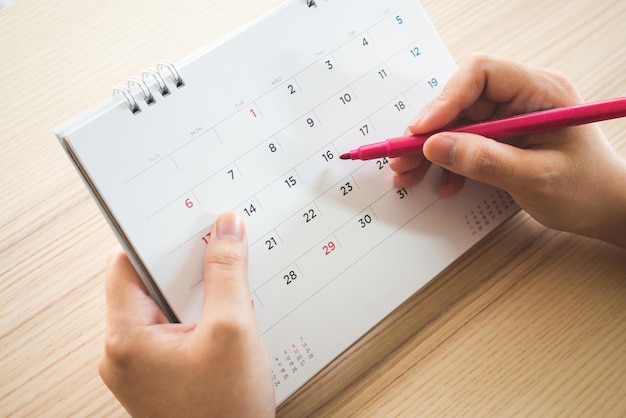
(420, 117)
(441, 149)
(229, 225)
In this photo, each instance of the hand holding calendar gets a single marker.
(215, 368)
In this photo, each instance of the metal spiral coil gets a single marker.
(146, 81)
(132, 103)
(147, 94)
(152, 73)
(178, 81)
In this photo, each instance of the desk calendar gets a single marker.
(256, 125)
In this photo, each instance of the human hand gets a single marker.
(218, 367)
(570, 179)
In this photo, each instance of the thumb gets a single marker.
(226, 289)
(485, 160)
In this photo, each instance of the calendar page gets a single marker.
(256, 125)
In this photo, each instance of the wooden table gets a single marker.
(528, 322)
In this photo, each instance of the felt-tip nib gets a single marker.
(345, 156)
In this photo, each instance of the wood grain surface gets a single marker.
(529, 322)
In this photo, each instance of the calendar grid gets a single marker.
(370, 207)
(339, 274)
(294, 168)
(191, 190)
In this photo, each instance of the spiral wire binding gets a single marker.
(163, 89)
(142, 83)
(132, 103)
(147, 94)
(177, 78)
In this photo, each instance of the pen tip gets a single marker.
(345, 156)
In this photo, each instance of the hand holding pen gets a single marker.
(525, 124)
(569, 179)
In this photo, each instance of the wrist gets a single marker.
(610, 225)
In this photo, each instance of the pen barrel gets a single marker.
(397, 147)
(548, 119)
(369, 151)
(392, 147)
(599, 111)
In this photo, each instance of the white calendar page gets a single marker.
(258, 128)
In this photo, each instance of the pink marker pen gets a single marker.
(525, 124)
